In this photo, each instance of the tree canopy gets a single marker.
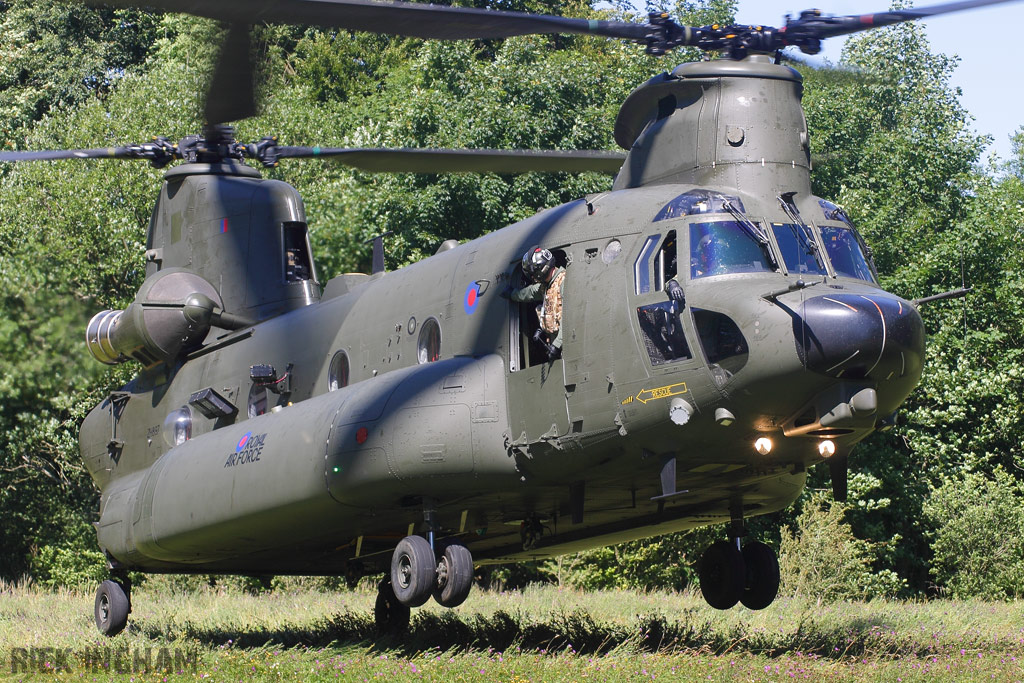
(894, 148)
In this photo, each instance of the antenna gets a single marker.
(378, 252)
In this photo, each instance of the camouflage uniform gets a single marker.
(549, 312)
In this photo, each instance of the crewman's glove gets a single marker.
(675, 293)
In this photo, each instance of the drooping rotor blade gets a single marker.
(828, 27)
(231, 96)
(51, 155)
(462, 160)
(160, 150)
(398, 18)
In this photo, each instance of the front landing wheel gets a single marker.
(112, 608)
(722, 575)
(762, 567)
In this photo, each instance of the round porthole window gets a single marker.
(177, 427)
(337, 375)
(257, 400)
(611, 251)
(428, 346)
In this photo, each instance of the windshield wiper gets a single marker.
(804, 236)
(752, 230)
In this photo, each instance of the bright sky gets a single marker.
(989, 73)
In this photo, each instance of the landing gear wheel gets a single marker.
(413, 571)
(389, 614)
(762, 568)
(112, 608)
(454, 576)
(722, 575)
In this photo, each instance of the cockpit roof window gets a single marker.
(847, 253)
(724, 247)
(797, 247)
(697, 202)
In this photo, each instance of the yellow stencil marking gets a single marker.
(660, 392)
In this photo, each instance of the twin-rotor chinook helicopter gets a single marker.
(723, 331)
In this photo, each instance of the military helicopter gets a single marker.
(723, 330)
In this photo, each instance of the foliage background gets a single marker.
(935, 504)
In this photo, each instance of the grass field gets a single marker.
(539, 634)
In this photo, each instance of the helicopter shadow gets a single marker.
(574, 631)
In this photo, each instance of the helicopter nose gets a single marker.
(862, 336)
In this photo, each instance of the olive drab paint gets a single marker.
(645, 425)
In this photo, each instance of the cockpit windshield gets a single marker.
(846, 253)
(724, 247)
(797, 247)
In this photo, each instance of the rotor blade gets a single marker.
(838, 468)
(397, 18)
(51, 155)
(829, 27)
(231, 96)
(463, 160)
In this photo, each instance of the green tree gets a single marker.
(821, 558)
(898, 154)
(979, 535)
(56, 54)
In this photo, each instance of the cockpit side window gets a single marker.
(662, 332)
(724, 247)
(665, 263)
(847, 253)
(642, 266)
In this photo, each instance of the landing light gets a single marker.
(826, 448)
(763, 445)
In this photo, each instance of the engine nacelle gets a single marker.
(171, 315)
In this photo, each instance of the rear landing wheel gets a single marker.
(454, 576)
(389, 614)
(413, 571)
(112, 608)
(722, 575)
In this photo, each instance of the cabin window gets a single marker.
(662, 332)
(847, 253)
(337, 375)
(642, 266)
(798, 249)
(722, 342)
(724, 247)
(428, 345)
(298, 264)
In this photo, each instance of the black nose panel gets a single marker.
(861, 336)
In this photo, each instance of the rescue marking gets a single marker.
(471, 298)
(646, 395)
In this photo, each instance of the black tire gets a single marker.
(762, 584)
(112, 608)
(413, 571)
(722, 575)
(454, 576)
(390, 616)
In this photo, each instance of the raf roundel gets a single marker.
(472, 298)
(241, 442)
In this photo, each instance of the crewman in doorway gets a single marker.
(548, 279)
